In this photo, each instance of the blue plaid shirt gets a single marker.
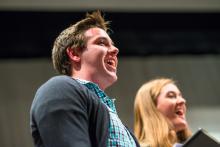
(119, 136)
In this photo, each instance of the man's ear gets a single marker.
(73, 54)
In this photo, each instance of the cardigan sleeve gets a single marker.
(59, 116)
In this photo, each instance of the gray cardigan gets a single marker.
(65, 113)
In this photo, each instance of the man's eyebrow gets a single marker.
(106, 39)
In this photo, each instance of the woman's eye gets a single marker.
(171, 95)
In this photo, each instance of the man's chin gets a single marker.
(112, 78)
(115, 79)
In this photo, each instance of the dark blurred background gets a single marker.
(30, 34)
(167, 38)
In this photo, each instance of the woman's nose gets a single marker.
(181, 100)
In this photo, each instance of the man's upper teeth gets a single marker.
(109, 61)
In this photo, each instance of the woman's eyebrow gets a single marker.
(174, 92)
(171, 92)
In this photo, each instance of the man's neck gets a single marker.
(93, 80)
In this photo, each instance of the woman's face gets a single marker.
(171, 103)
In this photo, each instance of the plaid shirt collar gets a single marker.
(101, 94)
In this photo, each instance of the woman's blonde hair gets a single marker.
(151, 127)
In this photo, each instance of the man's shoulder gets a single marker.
(61, 81)
(60, 85)
(60, 89)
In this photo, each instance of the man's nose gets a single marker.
(113, 50)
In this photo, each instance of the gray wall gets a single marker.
(198, 77)
(113, 5)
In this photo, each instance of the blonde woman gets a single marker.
(160, 111)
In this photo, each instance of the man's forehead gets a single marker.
(95, 31)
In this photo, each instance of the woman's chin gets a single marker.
(180, 126)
